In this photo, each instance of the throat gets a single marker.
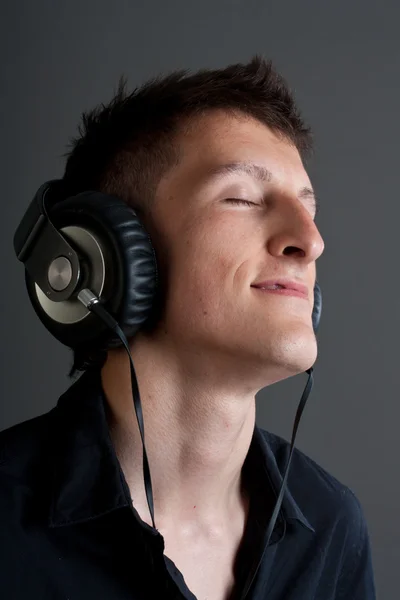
(219, 554)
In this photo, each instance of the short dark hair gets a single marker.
(126, 146)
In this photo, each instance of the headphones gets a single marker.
(87, 241)
(91, 241)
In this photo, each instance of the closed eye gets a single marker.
(241, 201)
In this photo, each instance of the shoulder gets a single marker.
(25, 451)
(337, 516)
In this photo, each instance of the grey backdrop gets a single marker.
(342, 59)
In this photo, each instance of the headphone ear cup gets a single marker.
(317, 308)
(117, 253)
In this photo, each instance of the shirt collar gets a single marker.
(273, 465)
(87, 479)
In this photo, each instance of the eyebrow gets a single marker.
(261, 174)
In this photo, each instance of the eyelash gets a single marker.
(248, 203)
(240, 201)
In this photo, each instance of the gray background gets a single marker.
(342, 60)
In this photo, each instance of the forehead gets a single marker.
(218, 138)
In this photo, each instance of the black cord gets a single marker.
(271, 524)
(96, 307)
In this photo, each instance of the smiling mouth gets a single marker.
(281, 291)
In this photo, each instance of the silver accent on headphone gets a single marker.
(87, 298)
(72, 310)
(59, 273)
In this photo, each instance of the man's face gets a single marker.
(212, 250)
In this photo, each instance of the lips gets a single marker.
(285, 283)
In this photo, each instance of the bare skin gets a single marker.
(219, 341)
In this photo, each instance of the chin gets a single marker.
(289, 353)
(299, 356)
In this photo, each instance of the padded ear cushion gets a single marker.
(317, 308)
(131, 274)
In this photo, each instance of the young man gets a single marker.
(213, 165)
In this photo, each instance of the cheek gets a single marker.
(203, 269)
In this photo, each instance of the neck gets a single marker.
(198, 423)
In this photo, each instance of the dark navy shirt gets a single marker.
(69, 530)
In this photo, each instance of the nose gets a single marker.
(295, 233)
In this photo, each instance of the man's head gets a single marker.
(179, 150)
